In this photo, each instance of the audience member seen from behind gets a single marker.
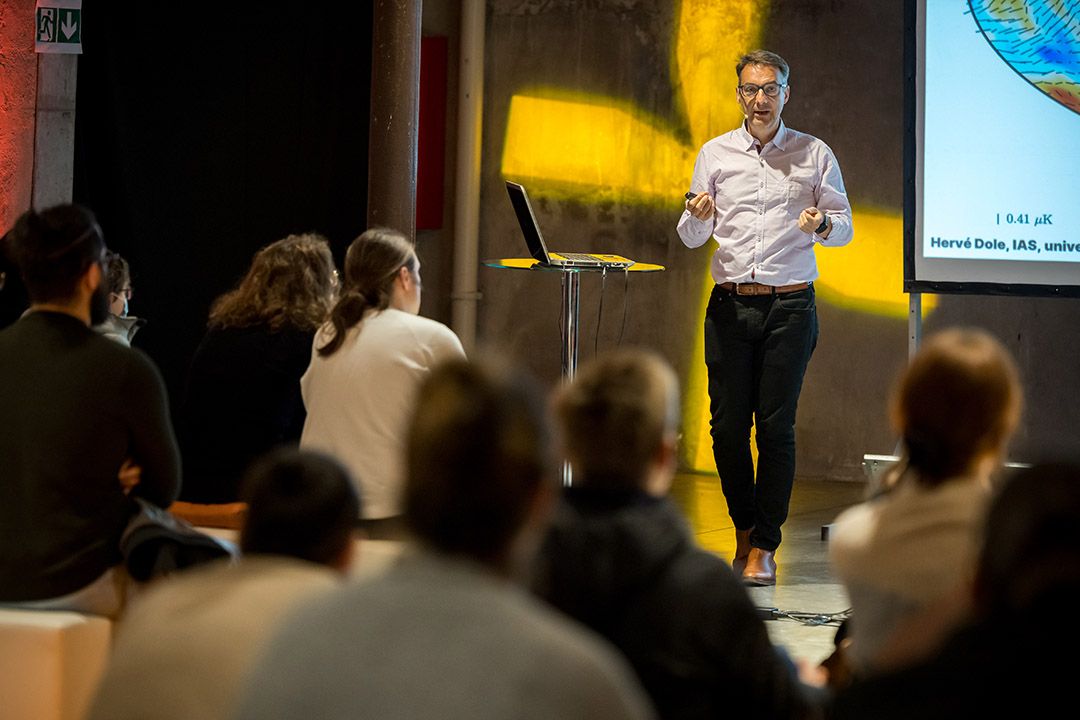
(446, 633)
(620, 558)
(118, 325)
(1001, 664)
(243, 390)
(84, 426)
(907, 556)
(13, 300)
(367, 362)
(185, 649)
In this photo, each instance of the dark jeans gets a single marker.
(756, 350)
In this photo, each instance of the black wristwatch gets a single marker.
(823, 226)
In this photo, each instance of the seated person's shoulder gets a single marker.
(129, 365)
(435, 334)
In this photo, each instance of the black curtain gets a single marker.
(205, 131)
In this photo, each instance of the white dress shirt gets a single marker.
(758, 197)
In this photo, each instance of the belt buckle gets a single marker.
(746, 288)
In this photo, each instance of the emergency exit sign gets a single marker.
(58, 26)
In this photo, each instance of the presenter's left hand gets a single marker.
(810, 219)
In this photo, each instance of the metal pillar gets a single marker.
(466, 296)
(571, 315)
(395, 113)
(914, 323)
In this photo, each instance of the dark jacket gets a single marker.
(243, 400)
(627, 567)
(73, 406)
(1004, 666)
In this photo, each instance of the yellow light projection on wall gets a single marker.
(591, 148)
(594, 149)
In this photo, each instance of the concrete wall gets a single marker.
(18, 98)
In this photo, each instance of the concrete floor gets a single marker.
(804, 583)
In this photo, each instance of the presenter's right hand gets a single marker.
(702, 206)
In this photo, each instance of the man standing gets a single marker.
(84, 426)
(766, 194)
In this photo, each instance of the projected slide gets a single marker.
(1001, 141)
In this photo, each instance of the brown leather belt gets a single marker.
(753, 288)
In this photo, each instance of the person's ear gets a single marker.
(92, 278)
(662, 468)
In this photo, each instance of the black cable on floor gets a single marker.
(805, 618)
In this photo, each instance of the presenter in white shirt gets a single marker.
(766, 195)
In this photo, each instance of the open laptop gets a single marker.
(538, 248)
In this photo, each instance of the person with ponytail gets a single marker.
(907, 556)
(367, 362)
(243, 391)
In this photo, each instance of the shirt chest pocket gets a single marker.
(800, 192)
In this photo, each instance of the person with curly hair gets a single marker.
(243, 391)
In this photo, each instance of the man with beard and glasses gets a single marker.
(84, 426)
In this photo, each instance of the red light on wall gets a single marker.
(18, 104)
(431, 143)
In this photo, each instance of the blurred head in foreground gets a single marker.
(301, 504)
(479, 480)
(618, 421)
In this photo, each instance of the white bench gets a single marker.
(50, 663)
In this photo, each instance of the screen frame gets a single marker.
(914, 94)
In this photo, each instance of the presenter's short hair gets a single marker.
(301, 504)
(478, 451)
(764, 57)
(614, 416)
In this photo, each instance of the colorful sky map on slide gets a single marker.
(1039, 39)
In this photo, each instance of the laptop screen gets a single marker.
(529, 228)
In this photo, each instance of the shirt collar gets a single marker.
(781, 136)
(778, 139)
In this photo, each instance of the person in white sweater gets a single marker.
(367, 362)
(907, 556)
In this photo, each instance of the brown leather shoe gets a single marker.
(742, 550)
(760, 568)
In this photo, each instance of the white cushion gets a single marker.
(50, 663)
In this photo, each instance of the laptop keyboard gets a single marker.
(579, 257)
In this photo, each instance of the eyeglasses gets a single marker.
(750, 91)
